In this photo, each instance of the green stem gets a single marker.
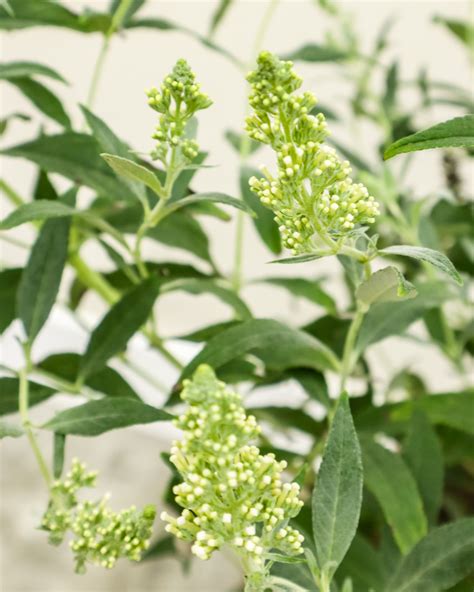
(349, 357)
(23, 399)
(11, 194)
(157, 343)
(92, 279)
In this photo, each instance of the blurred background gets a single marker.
(130, 466)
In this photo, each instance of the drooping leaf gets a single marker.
(312, 52)
(111, 335)
(385, 285)
(454, 132)
(263, 222)
(42, 276)
(9, 388)
(107, 380)
(20, 69)
(387, 476)
(438, 561)
(282, 346)
(431, 256)
(393, 318)
(307, 289)
(42, 209)
(337, 496)
(9, 282)
(423, 454)
(96, 417)
(76, 157)
(42, 98)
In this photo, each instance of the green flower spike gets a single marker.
(232, 495)
(101, 536)
(313, 198)
(178, 99)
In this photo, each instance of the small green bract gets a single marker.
(312, 196)
(231, 493)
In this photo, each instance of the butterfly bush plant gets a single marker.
(373, 493)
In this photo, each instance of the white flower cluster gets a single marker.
(101, 536)
(312, 194)
(178, 99)
(231, 493)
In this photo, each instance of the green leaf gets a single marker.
(59, 449)
(354, 158)
(312, 52)
(107, 380)
(282, 346)
(435, 258)
(42, 209)
(42, 276)
(9, 388)
(385, 285)
(76, 157)
(297, 259)
(307, 289)
(96, 417)
(363, 565)
(337, 496)
(389, 479)
(423, 454)
(284, 418)
(44, 189)
(134, 7)
(218, 15)
(5, 121)
(111, 335)
(43, 99)
(160, 548)
(216, 287)
(463, 30)
(10, 430)
(133, 172)
(439, 561)
(20, 69)
(241, 142)
(213, 197)
(454, 132)
(393, 318)
(328, 112)
(263, 222)
(9, 281)
(313, 383)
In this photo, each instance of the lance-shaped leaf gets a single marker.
(19, 69)
(212, 197)
(42, 276)
(9, 282)
(9, 388)
(385, 285)
(96, 417)
(387, 476)
(438, 561)
(59, 451)
(42, 209)
(111, 335)
(133, 172)
(423, 454)
(454, 132)
(337, 496)
(431, 256)
(313, 52)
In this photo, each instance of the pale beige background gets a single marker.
(129, 460)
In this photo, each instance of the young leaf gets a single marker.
(20, 69)
(438, 561)
(454, 132)
(75, 156)
(9, 388)
(9, 281)
(263, 222)
(134, 172)
(42, 276)
(385, 285)
(423, 454)
(311, 52)
(337, 496)
(111, 335)
(390, 480)
(214, 197)
(393, 318)
(96, 417)
(59, 449)
(282, 346)
(436, 258)
(308, 289)
(42, 98)
(42, 209)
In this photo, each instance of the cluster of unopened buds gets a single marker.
(177, 100)
(101, 536)
(231, 494)
(312, 195)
